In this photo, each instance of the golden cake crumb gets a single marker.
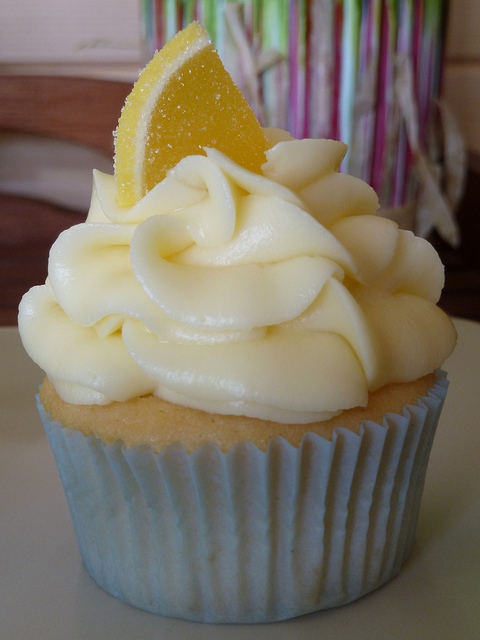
(152, 421)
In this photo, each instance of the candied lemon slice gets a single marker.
(184, 100)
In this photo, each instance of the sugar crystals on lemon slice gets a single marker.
(184, 100)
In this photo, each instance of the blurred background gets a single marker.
(398, 80)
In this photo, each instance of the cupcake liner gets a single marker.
(249, 536)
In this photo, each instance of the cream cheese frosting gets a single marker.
(280, 296)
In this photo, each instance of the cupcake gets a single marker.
(242, 361)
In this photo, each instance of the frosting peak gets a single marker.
(280, 296)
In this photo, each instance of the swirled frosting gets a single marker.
(280, 296)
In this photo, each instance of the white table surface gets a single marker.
(45, 593)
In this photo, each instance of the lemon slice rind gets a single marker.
(151, 81)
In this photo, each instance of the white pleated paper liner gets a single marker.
(249, 536)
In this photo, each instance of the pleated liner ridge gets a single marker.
(249, 536)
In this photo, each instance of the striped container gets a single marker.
(367, 72)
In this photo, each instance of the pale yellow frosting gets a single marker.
(280, 296)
